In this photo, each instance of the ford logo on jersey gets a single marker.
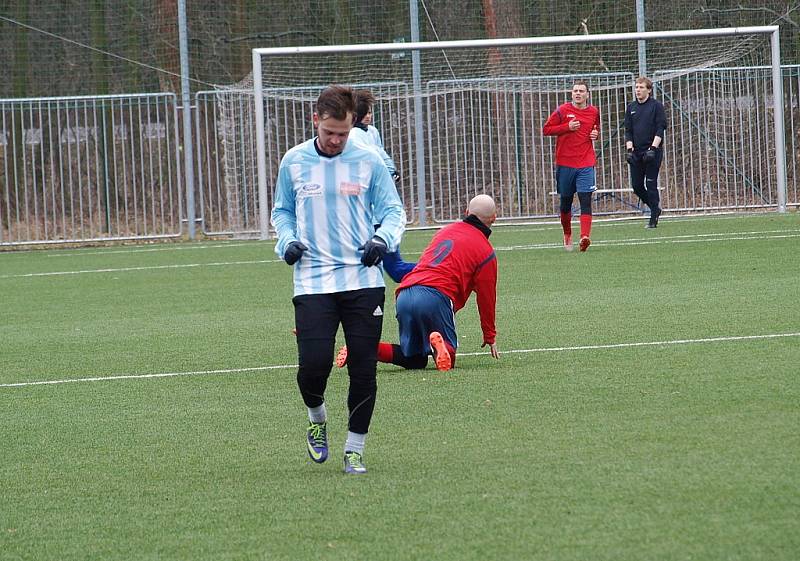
(310, 190)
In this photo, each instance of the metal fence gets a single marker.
(486, 136)
(720, 151)
(227, 176)
(79, 169)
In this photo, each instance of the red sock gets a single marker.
(385, 352)
(586, 225)
(566, 223)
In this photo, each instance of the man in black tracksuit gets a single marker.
(644, 134)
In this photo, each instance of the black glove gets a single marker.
(630, 157)
(649, 156)
(374, 250)
(294, 251)
(396, 177)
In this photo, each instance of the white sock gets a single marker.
(355, 442)
(317, 414)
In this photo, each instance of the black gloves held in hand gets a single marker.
(630, 157)
(374, 250)
(294, 251)
(649, 156)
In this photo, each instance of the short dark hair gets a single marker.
(364, 102)
(580, 83)
(336, 101)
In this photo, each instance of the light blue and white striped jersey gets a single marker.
(376, 136)
(368, 138)
(328, 204)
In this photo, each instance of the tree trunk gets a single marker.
(133, 44)
(100, 42)
(167, 50)
(490, 24)
(16, 145)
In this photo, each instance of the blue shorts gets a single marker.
(419, 311)
(570, 180)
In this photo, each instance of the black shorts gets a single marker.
(360, 312)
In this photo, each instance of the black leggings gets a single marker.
(644, 179)
(317, 318)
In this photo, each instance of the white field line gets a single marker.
(614, 221)
(643, 344)
(148, 268)
(188, 247)
(513, 351)
(537, 226)
(145, 376)
(687, 238)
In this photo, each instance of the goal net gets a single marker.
(465, 117)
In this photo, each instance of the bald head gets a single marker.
(483, 207)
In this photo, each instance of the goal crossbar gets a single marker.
(514, 42)
(772, 30)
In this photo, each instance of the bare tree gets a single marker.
(167, 39)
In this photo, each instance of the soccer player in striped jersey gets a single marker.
(576, 126)
(368, 134)
(328, 190)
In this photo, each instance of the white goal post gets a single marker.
(419, 148)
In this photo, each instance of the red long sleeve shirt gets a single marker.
(574, 149)
(458, 261)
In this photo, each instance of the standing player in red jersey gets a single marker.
(458, 261)
(576, 126)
